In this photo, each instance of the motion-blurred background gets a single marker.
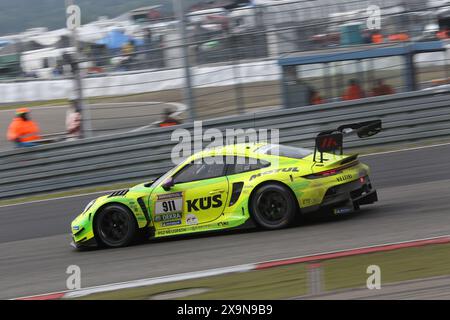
(104, 94)
(132, 67)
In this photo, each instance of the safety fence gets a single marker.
(146, 154)
(232, 55)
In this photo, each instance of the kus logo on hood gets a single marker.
(204, 203)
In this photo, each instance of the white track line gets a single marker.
(159, 280)
(100, 105)
(406, 149)
(205, 273)
(35, 108)
(149, 281)
(56, 199)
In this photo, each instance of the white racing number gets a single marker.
(169, 203)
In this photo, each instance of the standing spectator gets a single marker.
(148, 38)
(397, 37)
(73, 121)
(315, 97)
(23, 131)
(353, 91)
(367, 36)
(128, 54)
(128, 48)
(59, 69)
(377, 38)
(148, 42)
(381, 89)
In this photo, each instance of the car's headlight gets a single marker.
(90, 204)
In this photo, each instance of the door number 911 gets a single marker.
(173, 205)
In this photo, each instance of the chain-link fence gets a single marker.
(133, 74)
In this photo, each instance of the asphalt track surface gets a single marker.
(414, 203)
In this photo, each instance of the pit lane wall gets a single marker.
(146, 154)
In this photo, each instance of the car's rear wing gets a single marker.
(333, 140)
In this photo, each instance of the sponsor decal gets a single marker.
(200, 227)
(167, 217)
(223, 224)
(204, 203)
(343, 210)
(171, 223)
(329, 142)
(191, 219)
(344, 178)
(169, 203)
(293, 169)
(166, 196)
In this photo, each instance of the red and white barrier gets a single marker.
(314, 258)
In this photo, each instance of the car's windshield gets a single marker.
(284, 151)
(164, 176)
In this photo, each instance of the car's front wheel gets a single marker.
(273, 206)
(115, 226)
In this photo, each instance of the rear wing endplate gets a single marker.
(332, 141)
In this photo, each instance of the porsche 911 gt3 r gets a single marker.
(223, 188)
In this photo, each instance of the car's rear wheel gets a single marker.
(115, 226)
(273, 206)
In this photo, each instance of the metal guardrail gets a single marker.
(146, 154)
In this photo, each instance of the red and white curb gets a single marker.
(315, 258)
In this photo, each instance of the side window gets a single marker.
(200, 171)
(242, 165)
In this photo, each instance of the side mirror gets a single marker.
(168, 184)
(369, 129)
(149, 184)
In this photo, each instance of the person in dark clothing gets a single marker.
(382, 89)
(169, 120)
(315, 97)
(354, 91)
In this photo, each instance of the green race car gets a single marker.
(226, 187)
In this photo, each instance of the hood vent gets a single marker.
(119, 193)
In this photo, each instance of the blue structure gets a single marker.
(4, 43)
(351, 34)
(356, 53)
(116, 39)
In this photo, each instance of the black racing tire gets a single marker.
(272, 206)
(115, 226)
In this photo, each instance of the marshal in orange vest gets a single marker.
(22, 129)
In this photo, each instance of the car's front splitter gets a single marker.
(84, 244)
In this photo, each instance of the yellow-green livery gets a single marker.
(266, 184)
